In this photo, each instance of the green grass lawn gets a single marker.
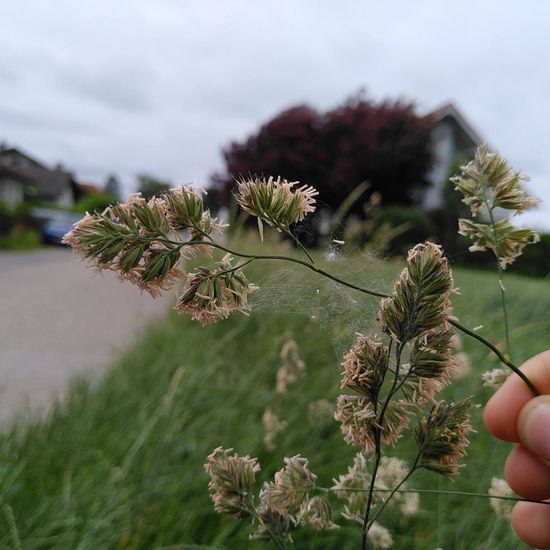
(119, 464)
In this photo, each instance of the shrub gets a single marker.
(150, 186)
(536, 258)
(21, 238)
(384, 143)
(94, 202)
(6, 216)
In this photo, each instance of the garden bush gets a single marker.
(21, 237)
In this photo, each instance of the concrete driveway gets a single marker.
(57, 319)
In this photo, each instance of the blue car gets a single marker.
(54, 229)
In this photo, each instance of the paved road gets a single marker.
(58, 318)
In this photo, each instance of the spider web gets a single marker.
(338, 310)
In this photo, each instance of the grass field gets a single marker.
(119, 464)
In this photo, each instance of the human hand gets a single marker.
(513, 414)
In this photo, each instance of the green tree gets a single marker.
(112, 187)
(94, 202)
(149, 185)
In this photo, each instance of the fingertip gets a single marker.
(534, 426)
(527, 475)
(502, 410)
(499, 419)
(531, 522)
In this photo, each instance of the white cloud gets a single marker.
(162, 86)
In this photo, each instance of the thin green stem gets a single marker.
(500, 282)
(303, 263)
(435, 492)
(297, 241)
(236, 268)
(409, 473)
(378, 456)
(276, 540)
(378, 446)
(503, 357)
(396, 489)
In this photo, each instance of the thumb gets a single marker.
(534, 426)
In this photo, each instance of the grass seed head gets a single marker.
(364, 366)
(500, 488)
(232, 479)
(443, 437)
(357, 477)
(494, 378)
(380, 536)
(213, 294)
(488, 181)
(420, 300)
(317, 513)
(290, 487)
(278, 202)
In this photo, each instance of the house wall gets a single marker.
(11, 191)
(450, 142)
(65, 198)
(444, 152)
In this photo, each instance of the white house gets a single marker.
(20, 173)
(453, 138)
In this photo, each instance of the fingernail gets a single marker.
(535, 429)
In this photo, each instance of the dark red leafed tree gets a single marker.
(386, 144)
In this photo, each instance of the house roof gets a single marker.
(449, 110)
(88, 187)
(9, 171)
(12, 152)
(49, 183)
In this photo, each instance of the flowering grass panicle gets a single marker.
(212, 294)
(431, 365)
(276, 201)
(494, 378)
(409, 503)
(392, 377)
(488, 183)
(124, 239)
(352, 487)
(391, 472)
(500, 488)
(488, 180)
(272, 525)
(232, 478)
(380, 536)
(292, 369)
(357, 419)
(289, 489)
(320, 412)
(418, 310)
(420, 300)
(503, 239)
(272, 428)
(317, 512)
(442, 437)
(364, 366)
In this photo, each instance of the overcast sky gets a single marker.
(161, 85)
